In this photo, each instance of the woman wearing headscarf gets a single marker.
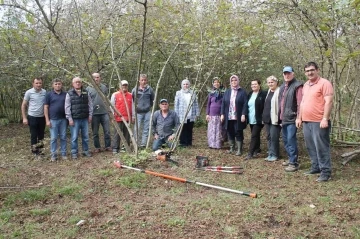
(270, 118)
(216, 132)
(233, 113)
(184, 99)
(256, 101)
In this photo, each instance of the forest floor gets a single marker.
(41, 199)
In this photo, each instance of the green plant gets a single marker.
(176, 221)
(200, 122)
(40, 212)
(6, 215)
(72, 190)
(136, 180)
(131, 160)
(27, 196)
(106, 172)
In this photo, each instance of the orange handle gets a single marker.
(166, 176)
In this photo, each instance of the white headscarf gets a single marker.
(182, 86)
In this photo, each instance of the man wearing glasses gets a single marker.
(290, 96)
(165, 124)
(315, 112)
(79, 111)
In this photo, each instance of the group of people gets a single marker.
(283, 108)
(79, 107)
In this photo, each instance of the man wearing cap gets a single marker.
(122, 101)
(290, 96)
(100, 114)
(165, 124)
(315, 112)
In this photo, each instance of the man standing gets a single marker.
(100, 114)
(78, 110)
(122, 101)
(34, 101)
(315, 112)
(54, 109)
(290, 96)
(145, 98)
(165, 124)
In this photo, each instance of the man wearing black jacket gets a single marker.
(290, 98)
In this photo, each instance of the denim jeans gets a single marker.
(58, 128)
(272, 136)
(159, 142)
(104, 120)
(317, 141)
(143, 121)
(290, 142)
(83, 125)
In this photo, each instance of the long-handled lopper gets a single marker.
(184, 180)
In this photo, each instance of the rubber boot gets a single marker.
(232, 146)
(239, 148)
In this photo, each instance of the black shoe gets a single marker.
(323, 178)
(311, 172)
(249, 156)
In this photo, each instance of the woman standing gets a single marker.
(256, 101)
(183, 99)
(233, 112)
(270, 118)
(216, 132)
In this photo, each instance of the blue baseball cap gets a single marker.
(163, 100)
(288, 69)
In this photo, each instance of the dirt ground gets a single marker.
(41, 199)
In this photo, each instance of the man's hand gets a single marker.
(243, 118)
(207, 118)
(298, 123)
(171, 137)
(156, 136)
(25, 121)
(90, 119)
(48, 124)
(324, 123)
(222, 118)
(71, 122)
(133, 120)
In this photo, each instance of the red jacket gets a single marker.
(120, 105)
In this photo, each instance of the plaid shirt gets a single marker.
(181, 106)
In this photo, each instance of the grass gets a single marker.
(72, 190)
(138, 205)
(27, 196)
(40, 212)
(176, 222)
(135, 181)
(6, 215)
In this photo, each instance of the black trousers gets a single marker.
(37, 131)
(187, 134)
(255, 138)
(233, 132)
